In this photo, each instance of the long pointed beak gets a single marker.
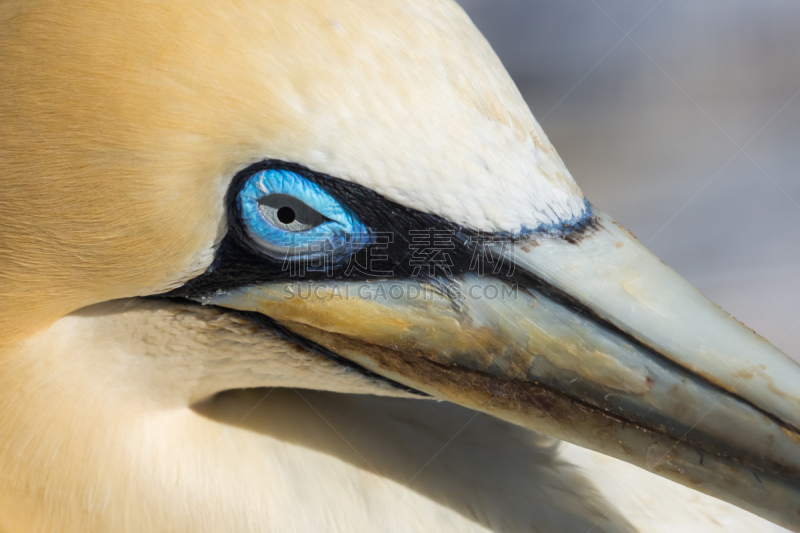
(592, 340)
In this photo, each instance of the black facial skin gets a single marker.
(240, 262)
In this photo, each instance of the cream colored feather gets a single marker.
(123, 123)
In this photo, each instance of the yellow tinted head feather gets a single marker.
(122, 124)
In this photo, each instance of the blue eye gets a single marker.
(290, 217)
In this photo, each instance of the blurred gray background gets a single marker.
(682, 120)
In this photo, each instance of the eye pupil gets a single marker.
(286, 215)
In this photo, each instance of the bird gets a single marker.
(314, 266)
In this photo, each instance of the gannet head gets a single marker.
(369, 185)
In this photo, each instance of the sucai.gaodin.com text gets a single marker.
(395, 291)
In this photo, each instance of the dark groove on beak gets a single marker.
(268, 323)
(531, 281)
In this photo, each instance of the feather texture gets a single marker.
(123, 123)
